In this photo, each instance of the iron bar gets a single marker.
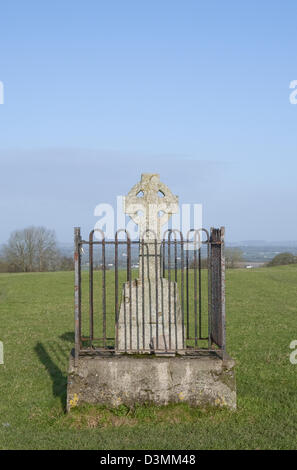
(91, 294)
(142, 290)
(199, 287)
(104, 291)
(169, 289)
(116, 282)
(77, 294)
(157, 294)
(129, 279)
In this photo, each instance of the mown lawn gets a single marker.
(36, 327)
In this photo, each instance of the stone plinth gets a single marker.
(199, 380)
(150, 317)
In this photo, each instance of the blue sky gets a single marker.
(97, 92)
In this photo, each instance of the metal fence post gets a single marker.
(217, 266)
(223, 308)
(77, 293)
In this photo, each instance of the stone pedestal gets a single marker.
(150, 317)
(199, 380)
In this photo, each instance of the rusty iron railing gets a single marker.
(195, 264)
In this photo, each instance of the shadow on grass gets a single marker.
(54, 357)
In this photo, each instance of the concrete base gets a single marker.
(112, 380)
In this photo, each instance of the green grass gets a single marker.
(36, 327)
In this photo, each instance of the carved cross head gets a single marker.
(150, 204)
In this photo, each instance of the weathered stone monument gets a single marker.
(150, 316)
(155, 355)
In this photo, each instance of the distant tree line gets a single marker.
(33, 249)
(233, 259)
(283, 259)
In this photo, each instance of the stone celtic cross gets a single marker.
(150, 317)
(150, 204)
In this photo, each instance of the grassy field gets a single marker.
(36, 327)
